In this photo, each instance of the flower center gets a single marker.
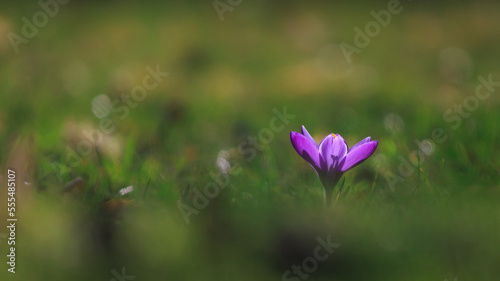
(333, 136)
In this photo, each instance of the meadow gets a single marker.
(151, 141)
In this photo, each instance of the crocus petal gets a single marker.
(361, 142)
(338, 135)
(326, 151)
(306, 149)
(332, 150)
(358, 154)
(339, 151)
(308, 136)
(324, 139)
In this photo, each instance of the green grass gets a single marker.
(225, 78)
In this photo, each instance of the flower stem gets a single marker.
(329, 184)
(328, 196)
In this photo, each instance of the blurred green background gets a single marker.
(75, 142)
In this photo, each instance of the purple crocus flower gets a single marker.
(332, 157)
